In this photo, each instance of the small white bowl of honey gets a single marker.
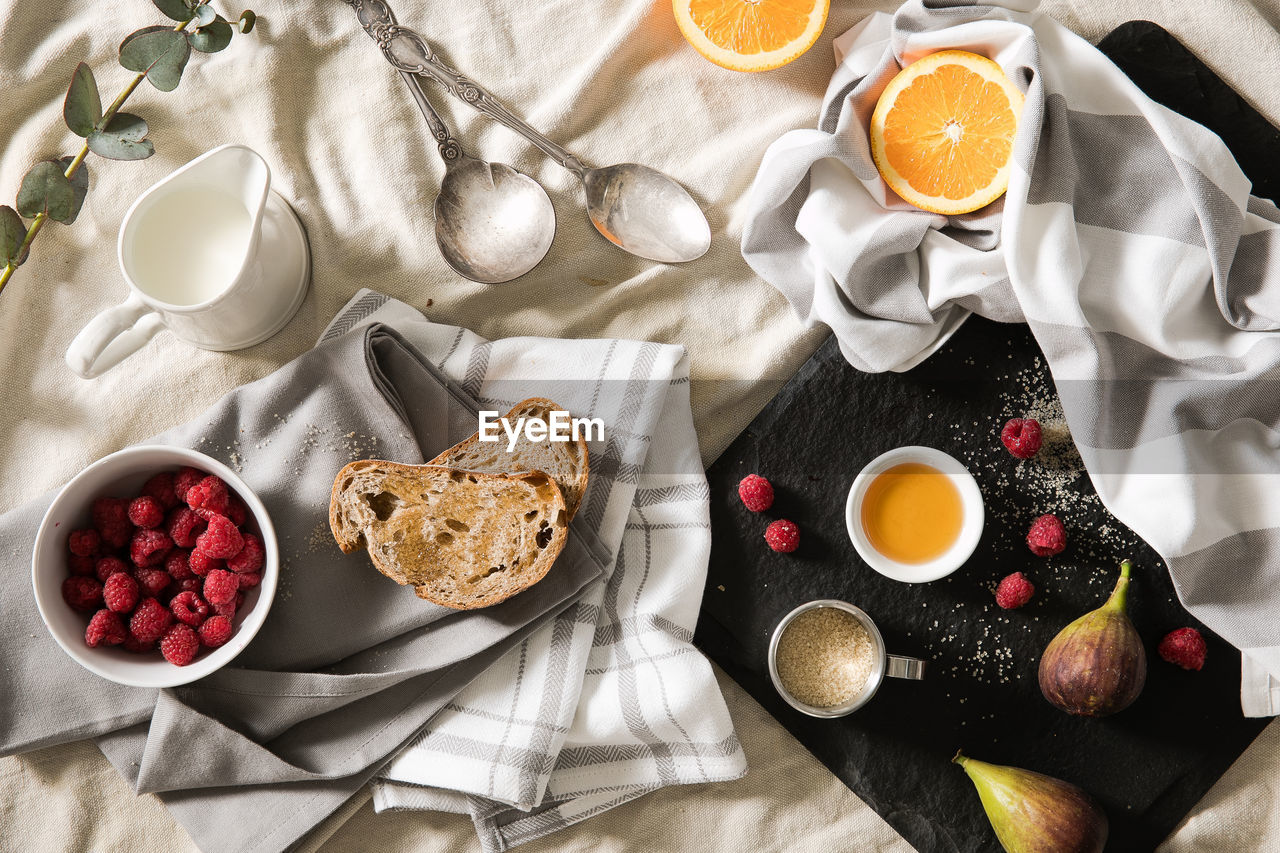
(915, 514)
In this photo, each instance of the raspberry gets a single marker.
(149, 547)
(237, 511)
(82, 593)
(180, 645)
(215, 631)
(111, 519)
(120, 592)
(191, 584)
(109, 511)
(184, 480)
(756, 493)
(160, 488)
(220, 587)
(146, 512)
(105, 629)
(189, 607)
(133, 644)
(149, 620)
(1047, 536)
(1021, 436)
(201, 563)
(117, 535)
(78, 565)
(178, 565)
(248, 580)
(229, 608)
(210, 493)
(221, 539)
(84, 543)
(1014, 591)
(184, 526)
(108, 566)
(783, 536)
(250, 557)
(152, 581)
(206, 514)
(1184, 647)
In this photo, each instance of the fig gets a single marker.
(1096, 666)
(1034, 813)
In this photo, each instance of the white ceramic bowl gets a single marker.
(122, 474)
(970, 528)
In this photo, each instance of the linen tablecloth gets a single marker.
(613, 80)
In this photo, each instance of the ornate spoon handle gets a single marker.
(450, 151)
(409, 52)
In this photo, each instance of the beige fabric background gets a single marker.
(611, 79)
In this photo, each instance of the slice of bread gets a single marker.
(463, 539)
(565, 461)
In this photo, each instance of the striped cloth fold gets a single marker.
(1129, 242)
(610, 699)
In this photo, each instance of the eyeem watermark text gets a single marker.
(560, 427)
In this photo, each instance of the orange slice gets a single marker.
(751, 35)
(942, 132)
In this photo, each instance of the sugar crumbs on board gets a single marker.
(824, 657)
(1016, 492)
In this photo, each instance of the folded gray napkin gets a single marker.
(348, 665)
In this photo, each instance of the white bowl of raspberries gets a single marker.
(155, 566)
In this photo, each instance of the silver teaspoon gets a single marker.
(637, 208)
(493, 223)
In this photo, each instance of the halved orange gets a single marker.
(751, 35)
(942, 132)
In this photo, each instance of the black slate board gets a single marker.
(1148, 765)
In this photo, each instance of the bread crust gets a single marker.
(541, 456)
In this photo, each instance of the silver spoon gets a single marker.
(637, 208)
(493, 223)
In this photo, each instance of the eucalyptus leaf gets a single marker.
(115, 148)
(176, 10)
(204, 15)
(12, 232)
(79, 185)
(82, 108)
(46, 190)
(213, 38)
(247, 20)
(159, 52)
(124, 138)
(127, 126)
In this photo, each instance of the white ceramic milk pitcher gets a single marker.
(212, 254)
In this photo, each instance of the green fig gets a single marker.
(1034, 813)
(1096, 666)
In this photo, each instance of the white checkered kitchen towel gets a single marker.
(609, 700)
(1128, 241)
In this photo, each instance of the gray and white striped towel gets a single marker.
(1130, 243)
(609, 700)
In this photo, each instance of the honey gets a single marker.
(912, 513)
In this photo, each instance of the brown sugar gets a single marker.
(824, 657)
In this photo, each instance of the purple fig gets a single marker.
(1096, 666)
(1034, 813)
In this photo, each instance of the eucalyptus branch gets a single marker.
(56, 189)
(107, 115)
